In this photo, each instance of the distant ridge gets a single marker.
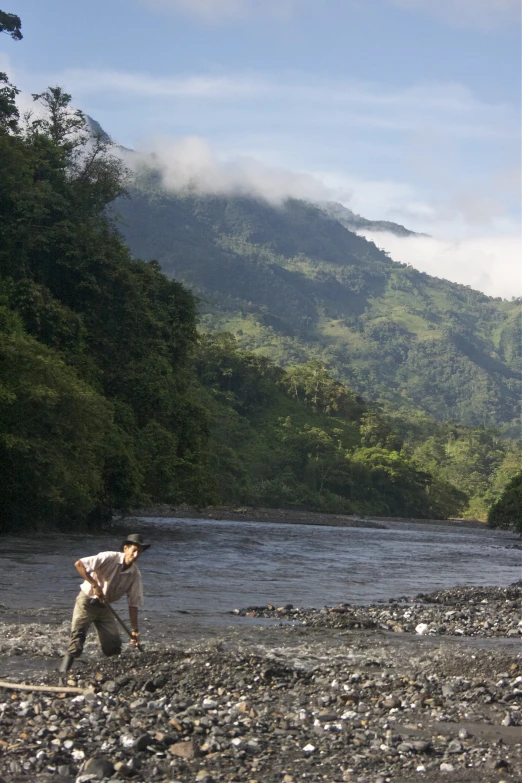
(354, 222)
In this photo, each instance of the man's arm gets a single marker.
(133, 615)
(80, 567)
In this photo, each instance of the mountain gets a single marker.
(354, 222)
(294, 283)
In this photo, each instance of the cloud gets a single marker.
(223, 10)
(189, 164)
(483, 14)
(112, 81)
(311, 104)
(490, 264)
(24, 100)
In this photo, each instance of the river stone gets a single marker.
(143, 742)
(185, 750)
(455, 746)
(370, 744)
(422, 746)
(127, 740)
(98, 766)
(327, 716)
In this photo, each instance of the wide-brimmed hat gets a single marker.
(136, 539)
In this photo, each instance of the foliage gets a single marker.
(117, 325)
(11, 24)
(53, 432)
(312, 384)
(300, 441)
(478, 463)
(9, 114)
(507, 511)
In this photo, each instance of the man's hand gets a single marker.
(98, 592)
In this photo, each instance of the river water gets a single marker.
(198, 571)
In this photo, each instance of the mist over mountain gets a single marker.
(293, 282)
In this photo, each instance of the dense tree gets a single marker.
(507, 511)
(53, 434)
(312, 384)
(9, 114)
(126, 330)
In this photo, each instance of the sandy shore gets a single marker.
(287, 516)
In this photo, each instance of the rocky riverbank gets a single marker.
(462, 611)
(287, 516)
(318, 697)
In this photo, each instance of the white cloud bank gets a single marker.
(492, 264)
(190, 164)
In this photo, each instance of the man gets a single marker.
(108, 576)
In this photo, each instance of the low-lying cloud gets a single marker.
(190, 165)
(490, 263)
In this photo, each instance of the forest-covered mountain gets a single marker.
(293, 283)
(110, 397)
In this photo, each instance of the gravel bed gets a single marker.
(305, 703)
(461, 611)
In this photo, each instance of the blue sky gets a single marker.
(405, 110)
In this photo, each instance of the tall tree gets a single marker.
(507, 511)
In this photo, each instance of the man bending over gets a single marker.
(108, 576)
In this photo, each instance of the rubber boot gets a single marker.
(67, 662)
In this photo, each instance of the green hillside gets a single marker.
(295, 284)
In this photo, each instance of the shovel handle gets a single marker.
(123, 625)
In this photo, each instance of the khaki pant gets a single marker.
(85, 614)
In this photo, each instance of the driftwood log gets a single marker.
(16, 686)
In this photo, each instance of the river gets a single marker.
(198, 571)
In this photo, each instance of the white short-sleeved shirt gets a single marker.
(106, 568)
